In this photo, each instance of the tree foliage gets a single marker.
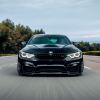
(86, 46)
(12, 35)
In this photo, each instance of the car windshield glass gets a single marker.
(49, 39)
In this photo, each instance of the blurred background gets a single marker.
(77, 19)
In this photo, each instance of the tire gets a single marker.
(80, 73)
(19, 70)
(81, 70)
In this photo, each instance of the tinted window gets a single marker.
(49, 39)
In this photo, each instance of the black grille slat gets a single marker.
(47, 56)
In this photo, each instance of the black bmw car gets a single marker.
(50, 53)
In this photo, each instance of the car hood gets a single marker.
(43, 48)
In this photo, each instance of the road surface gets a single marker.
(49, 87)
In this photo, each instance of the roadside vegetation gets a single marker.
(89, 49)
(94, 53)
(7, 54)
(11, 36)
(86, 46)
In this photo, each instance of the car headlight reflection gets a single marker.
(26, 55)
(74, 56)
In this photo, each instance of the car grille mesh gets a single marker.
(47, 56)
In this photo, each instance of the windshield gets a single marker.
(49, 39)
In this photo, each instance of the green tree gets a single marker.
(12, 35)
(8, 23)
(41, 31)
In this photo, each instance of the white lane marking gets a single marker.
(87, 67)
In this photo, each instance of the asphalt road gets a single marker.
(49, 87)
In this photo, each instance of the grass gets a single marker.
(95, 53)
(7, 54)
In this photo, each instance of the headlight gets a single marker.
(74, 56)
(26, 55)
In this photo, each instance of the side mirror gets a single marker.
(23, 43)
(75, 43)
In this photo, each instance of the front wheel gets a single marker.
(81, 70)
(19, 70)
(80, 73)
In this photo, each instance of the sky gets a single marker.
(78, 19)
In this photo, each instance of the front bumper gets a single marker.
(63, 66)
